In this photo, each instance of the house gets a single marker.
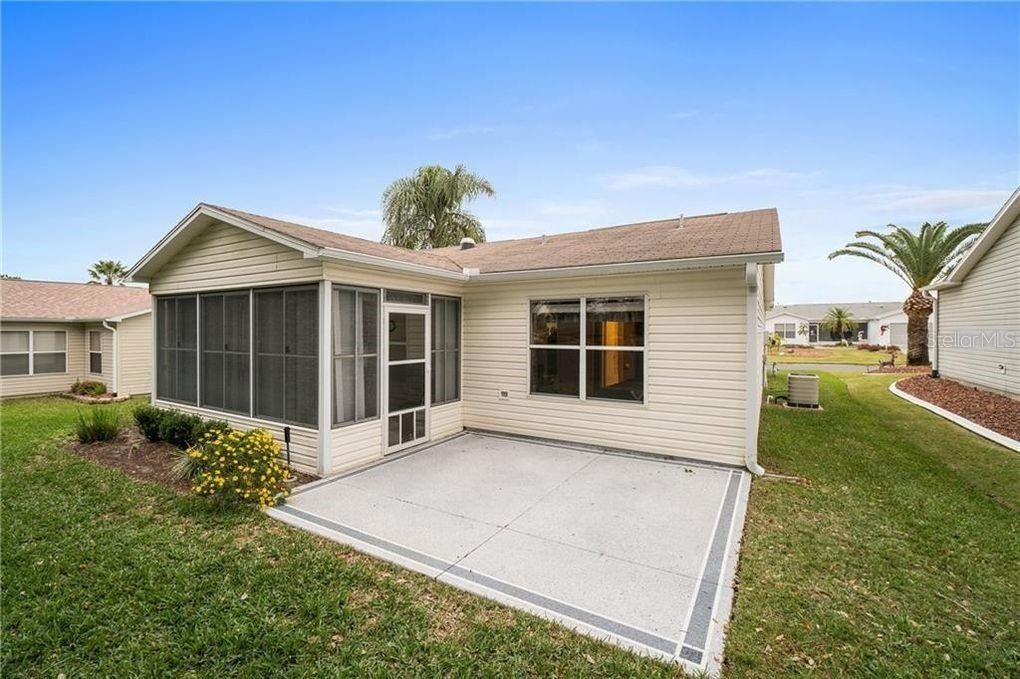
(644, 337)
(977, 309)
(56, 333)
(878, 323)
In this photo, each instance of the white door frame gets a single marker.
(426, 313)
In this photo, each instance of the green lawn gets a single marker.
(896, 554)
(845, 355)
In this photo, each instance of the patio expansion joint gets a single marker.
(520, 514)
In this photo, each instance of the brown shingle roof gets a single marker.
(752, 232)
(48, 300)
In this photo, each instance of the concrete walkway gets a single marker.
(635, 550)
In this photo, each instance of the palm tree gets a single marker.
(108, 272)
(918, 259)
(839, 322)
(424, 210)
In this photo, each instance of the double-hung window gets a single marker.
(286, 354)
(445, 349)
(95, 352)
(177, 349)
(786, 330)
(225, 351)
(355, 335)
(15, 356)
(33, 352)
(589, 347)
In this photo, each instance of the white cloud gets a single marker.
(352, 222)
(932, 202)
(670, 176)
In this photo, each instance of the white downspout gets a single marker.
(116, 363)
(753, 373)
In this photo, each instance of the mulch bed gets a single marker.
(139, 458)
(999, 413)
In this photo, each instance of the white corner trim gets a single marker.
(752, 370)
(325, 378)
(969, 425)
(116, 358)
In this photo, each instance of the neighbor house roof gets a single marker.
(862, 311)
(53, 301)
(1002, 220)
(752, 235)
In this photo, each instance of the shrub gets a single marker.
(240, 466)
(179, 428)
(149, 418)
(101, 424)
(88, 388)
(184, 467)
(893, 349)
(210, 427)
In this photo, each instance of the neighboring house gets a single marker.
(55, 333)
(645, 337)
(977, 310)
(878, 323)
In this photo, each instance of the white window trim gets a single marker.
(92, 351)
(32, 352)
(582, 347)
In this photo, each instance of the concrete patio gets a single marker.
(636, 550)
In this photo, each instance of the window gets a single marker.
(225, 351)
(405, 297)
(177, 349)
(95, 352)
(556, 347)
(614, 354)
(33, 352)
(445, 349)
(286, 355)
(14, 352)
(786, 330)
(591, 348)
(355, 355)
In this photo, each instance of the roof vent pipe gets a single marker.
(467, 243)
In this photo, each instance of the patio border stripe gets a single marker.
(367, 538)
(566, 610)
(697, 628)
(608, 625)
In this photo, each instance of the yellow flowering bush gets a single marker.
(239, 465)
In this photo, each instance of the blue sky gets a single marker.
(118, 118)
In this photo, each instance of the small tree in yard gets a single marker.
(919, 259)
(839, 322)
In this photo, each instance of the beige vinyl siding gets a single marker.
(304, 442)
(355, 444)
(696, 363)
(343, 273)
(224, 257)
(447, 420)
(987, 301)
(28, 385)
(134, 346)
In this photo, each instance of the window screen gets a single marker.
(95, 352)
(286, 355)
(225, 363)
(49, 351)
(445, 349)
(177, 349)
(355, 337)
